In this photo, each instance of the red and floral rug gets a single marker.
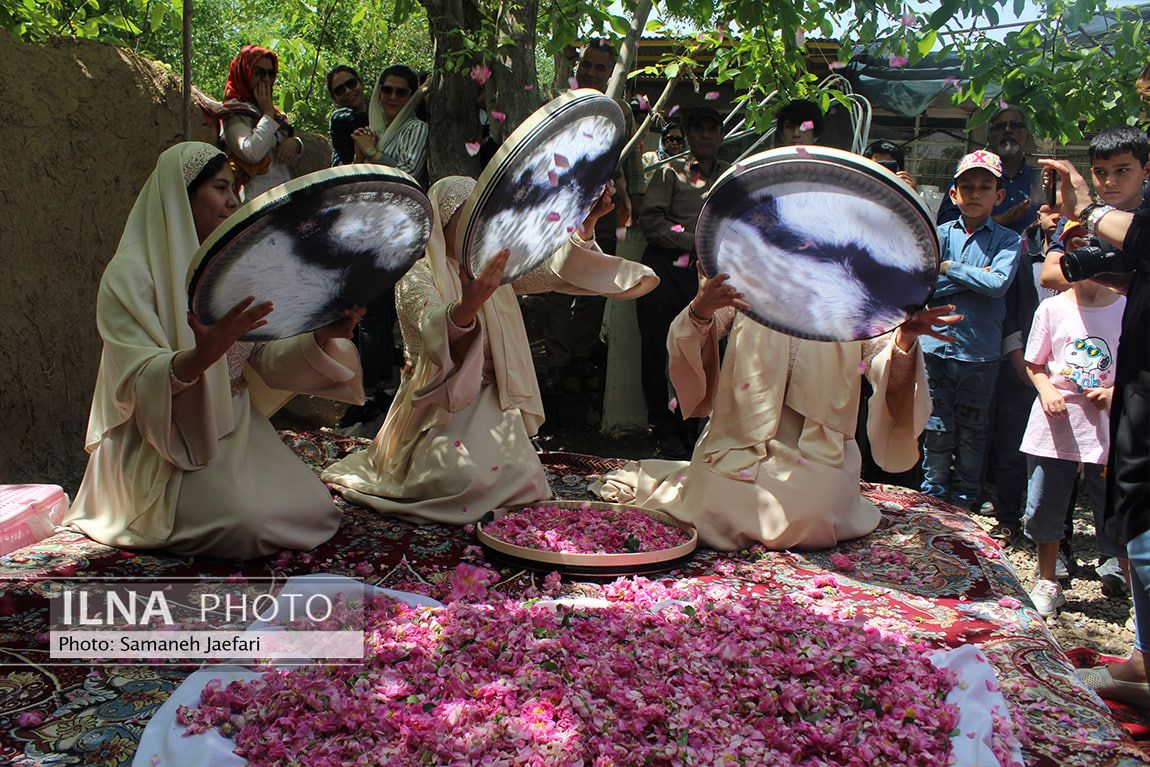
(928, 572)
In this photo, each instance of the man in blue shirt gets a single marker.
(980, 258)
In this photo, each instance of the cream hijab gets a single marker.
(500, 315)
(142, 306)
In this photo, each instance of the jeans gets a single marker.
(375, 341)
(955, 437)
(1051, 481)
(1138, 550)
(1006, 467)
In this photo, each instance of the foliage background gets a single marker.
(1070, 83)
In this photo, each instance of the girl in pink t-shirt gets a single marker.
(1070, 359)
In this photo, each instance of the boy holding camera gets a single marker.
(1120, 164)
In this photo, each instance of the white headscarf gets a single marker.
(377, 118)
(142, 306)
(500, 315)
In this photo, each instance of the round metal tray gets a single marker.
(600, 565)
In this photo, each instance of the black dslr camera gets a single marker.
(1093, 259)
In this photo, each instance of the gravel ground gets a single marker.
(1089, 619)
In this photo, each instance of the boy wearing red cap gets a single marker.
(980, 258)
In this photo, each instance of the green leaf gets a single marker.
(926, 43)
(159, 13)
(621, 25)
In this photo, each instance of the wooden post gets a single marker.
(623, 407)
(187, 70)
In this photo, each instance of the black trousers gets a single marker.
(656, 310)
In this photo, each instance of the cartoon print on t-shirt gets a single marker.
(1088, 362)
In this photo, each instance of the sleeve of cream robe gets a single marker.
(299, 365)
(693, 350)
(448, 360)
(899, 407)
(580, 268)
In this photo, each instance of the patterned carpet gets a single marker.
(928, 571)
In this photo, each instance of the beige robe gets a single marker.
(195, 469)
(777, 463)
(456, 442)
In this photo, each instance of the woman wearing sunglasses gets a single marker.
(346, 89)
(260, 144)
(395, 136)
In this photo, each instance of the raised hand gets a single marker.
(344, 327)
(922, 323)
(714, 293)
(213, 341)
(263, 94)
(475, 292)
(602, 207)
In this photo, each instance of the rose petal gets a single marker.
(621, 233)
(909, 20)
(837, 65)
(562, 161)
(573, 83)
(683, 261)
(553, 177)
(800, 37)
(673, 405)
(802, 151)
(497, 115)
(553, 216)
(711, 95)
(898, 61)
(643, 103)
(807, 244)
(528, 87)
(673, 110)
(676, 228)
(807, 125)
(472, 147)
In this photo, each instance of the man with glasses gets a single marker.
(670, 212)
(1007, 136)
(570, 325)
(346, 89)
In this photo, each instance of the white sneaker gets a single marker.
(1047, 597)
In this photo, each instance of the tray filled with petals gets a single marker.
(584, 538)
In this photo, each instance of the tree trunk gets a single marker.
(453, 117)
(514, 87)
(618, 84)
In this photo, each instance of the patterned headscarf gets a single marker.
(238, 86)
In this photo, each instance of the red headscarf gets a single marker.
(238, 87)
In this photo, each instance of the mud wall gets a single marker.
(81, 126)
